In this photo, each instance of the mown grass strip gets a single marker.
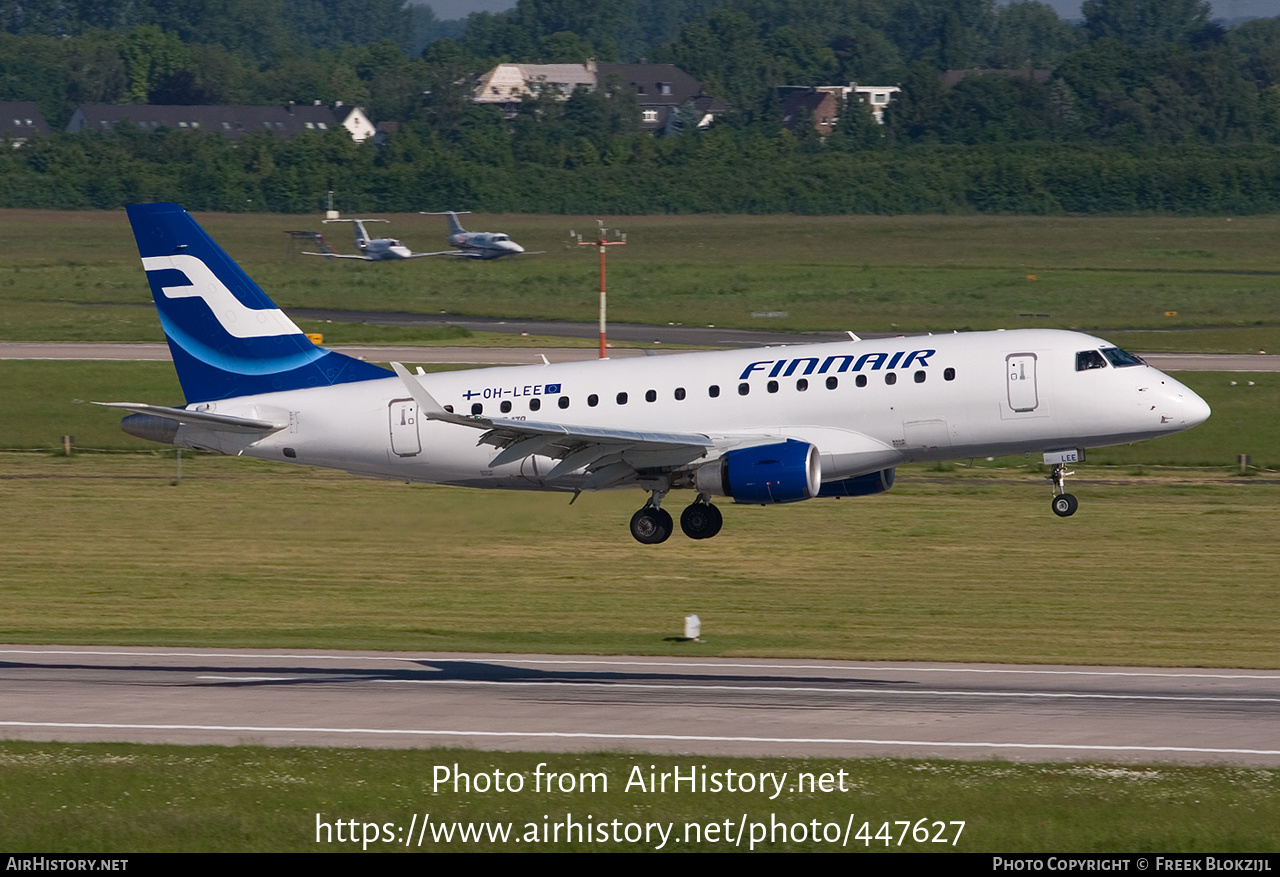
(117, 798)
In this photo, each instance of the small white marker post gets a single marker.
(693, 628)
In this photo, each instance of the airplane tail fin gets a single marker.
(227, 338)
(455, 227)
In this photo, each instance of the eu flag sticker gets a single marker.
(551, 388)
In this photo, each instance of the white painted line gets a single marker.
(908, 692)
(705, 664)
(678, 738)
(252, 678)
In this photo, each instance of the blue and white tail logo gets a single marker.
(227, 338)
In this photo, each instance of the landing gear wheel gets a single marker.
(701, 520)
(1065, 505)
(651, 526)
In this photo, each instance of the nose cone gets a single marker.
(1195, 410)
(512, 247)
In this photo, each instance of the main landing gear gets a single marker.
(1064, 504)
(652, 525)
(701, 520)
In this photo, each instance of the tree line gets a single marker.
(1147, 105)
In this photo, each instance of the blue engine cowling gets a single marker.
(860, 485)
(788, 471)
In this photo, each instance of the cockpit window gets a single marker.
(1121, 358)
(1087, 359)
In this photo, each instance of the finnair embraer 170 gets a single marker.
(761, 426)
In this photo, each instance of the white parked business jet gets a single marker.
(762, 426)
(478, 244)
(374, 249)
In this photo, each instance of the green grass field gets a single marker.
(136, 799)
(74, 276)
(966, 566)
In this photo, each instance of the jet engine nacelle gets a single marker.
(784, 472)
(860, 485)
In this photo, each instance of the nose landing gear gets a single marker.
(1064, 504)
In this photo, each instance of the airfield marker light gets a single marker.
(602, 241)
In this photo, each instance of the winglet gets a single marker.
(426, 402)
(428, 407)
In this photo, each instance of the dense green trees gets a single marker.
(1147, 106)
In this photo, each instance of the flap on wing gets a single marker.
(221, 422)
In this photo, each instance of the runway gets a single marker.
(533, 355)
(647, 704)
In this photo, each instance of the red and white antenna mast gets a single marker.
(602, 241)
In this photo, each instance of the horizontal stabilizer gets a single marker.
(219, 422)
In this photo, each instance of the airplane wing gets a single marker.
(469, 255)
(608, 456)
(208, 420)
(339, 256)
(439, 253)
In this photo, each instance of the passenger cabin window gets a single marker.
(1121, 358)
(1089, 359)
(949, 374)
(535, 403)
(679, 394)
(920, 376)
(651, 395)
(476, 409)
(563, 402)
(713, 391)
(860, 380)
(622, 398)
(833, 382)
(772, 386)
(891, 378)
(802, 385)
(506, 407)
(593, 400)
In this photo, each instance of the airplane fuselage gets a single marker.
(865, 406)
(378, 249)
(485, 245)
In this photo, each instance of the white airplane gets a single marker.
(478, 244)
(374, 249)
(760, 426)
